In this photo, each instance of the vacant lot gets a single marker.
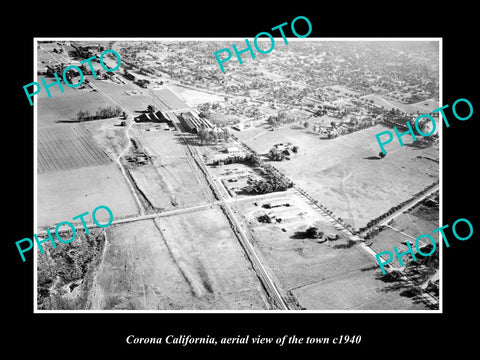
(196, 97)
(109, 135)
(65, 147)
(173, 179)
(356, 290)
(170, 99)
(170, 183)
(67, 193)
(345, 173)
(182, 262)
(407, 227)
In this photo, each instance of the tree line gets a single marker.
(102, 113)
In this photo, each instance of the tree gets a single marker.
(275, 155)
(150, 108)
(313, 233)
(273, 120)
(305, 124)
(226, 134)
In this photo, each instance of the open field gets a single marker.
(67, 193)
(173, 179)
(189, 261)
(172, 183)
(345, 174)
(170, 99)
(407, 227)
(69, 146)
(356, 290)
(195, 97)
(65, 106)
(131, 96)
(423, 107)
(163, 144)
(109, 135)
(335, 274)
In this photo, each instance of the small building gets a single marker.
(233, 150)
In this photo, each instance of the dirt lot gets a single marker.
(170, 99)
(423, 107)
(67, 146)
(173, 179)
(189, 261)
(336, 274)
(345, 174)
(108, 134)
(68, 193)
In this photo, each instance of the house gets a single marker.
(233, 150)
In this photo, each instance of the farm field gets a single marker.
(64, 147)
(335, 274)
(67, 193)
(345, 174)
(181, 262)
(65, 106)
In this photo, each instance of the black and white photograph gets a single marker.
(260, 187)
(220, 180)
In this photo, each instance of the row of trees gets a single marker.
(215, 135)
(102, 113)
(275, 181)
(375, 221)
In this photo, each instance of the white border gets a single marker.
(411, 39)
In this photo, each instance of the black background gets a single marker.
(382, 334)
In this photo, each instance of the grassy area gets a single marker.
(108, 134)
(65, 106)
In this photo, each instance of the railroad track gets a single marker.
(262, 273)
